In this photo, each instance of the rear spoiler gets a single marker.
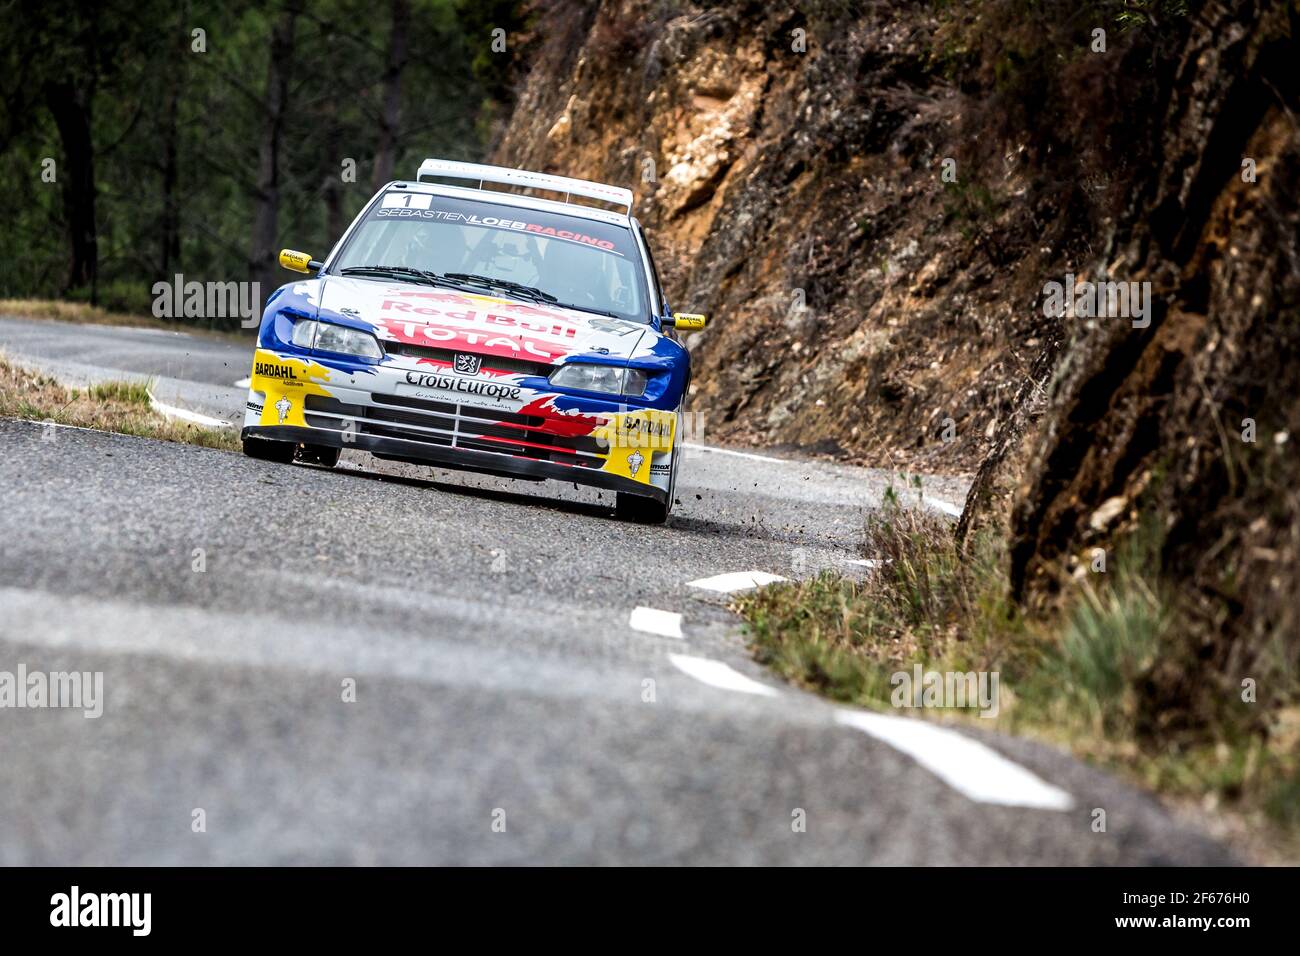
(449, 169)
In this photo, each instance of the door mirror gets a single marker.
(299, 261)
(689, 321)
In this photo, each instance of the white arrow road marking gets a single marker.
(244, 383)
(735, 581)
(966, 765)
(654, 621)
(718, 674)
(185, 415)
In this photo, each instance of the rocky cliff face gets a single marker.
(1190, 424)
(791, 166)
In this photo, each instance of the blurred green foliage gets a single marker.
(180, 126)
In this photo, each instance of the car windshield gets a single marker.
(580, 263)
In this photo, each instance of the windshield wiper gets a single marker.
(527, 290)
(519, 288)
(588, 308)
(393, 272)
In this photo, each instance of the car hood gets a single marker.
(478, 323)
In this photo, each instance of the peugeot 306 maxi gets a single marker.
(482, 330)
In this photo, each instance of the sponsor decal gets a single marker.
(464, 386)
(281, 381)
(638, 431)
(615, 326)
(489, 341)
(467, 364)
(416, 206)
(538, 321)
(407, 200)
(274, 370)
(633, 438)
(568, 236)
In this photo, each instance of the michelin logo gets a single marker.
(283, 406)
(634, 461)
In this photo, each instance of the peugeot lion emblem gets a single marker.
(468, 364)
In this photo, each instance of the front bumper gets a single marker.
(457, 458)
(493, 423)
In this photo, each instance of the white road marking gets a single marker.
(966, 765)
(718, 674)
(946, 507)
(737, 454)
(938, 504)
(48, 422)
(185, 415)
(244, 383)
(866, 562)
(654, 621)
(735, 581)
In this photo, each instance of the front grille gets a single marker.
(454, 426)
(513, 365)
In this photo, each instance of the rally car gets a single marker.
(484, 330)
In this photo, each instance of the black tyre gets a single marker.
(264, 450)
(640, 509)
(319, 455)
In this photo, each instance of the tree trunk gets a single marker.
(71, 106)
(391, 110)
(266, 200)
(169, 236)
(333, 186)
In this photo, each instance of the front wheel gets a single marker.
(278, 451)
(640, 509)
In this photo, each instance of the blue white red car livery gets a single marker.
(481, 330)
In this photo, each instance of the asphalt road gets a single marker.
(506, 710)
(193, 372)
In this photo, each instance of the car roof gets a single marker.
(517, 200)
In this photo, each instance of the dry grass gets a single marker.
(84, 314)
(121, 407)
(924, 604)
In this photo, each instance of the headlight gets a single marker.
(328, 337)
(610, 379)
